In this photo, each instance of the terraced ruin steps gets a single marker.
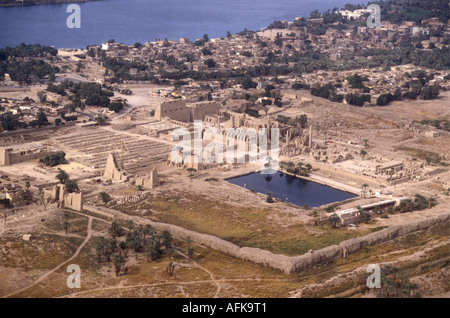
(97, 145)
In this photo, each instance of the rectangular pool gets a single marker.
(292, 189)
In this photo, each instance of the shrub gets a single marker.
(385, 99)
(269, 198)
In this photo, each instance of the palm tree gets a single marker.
(115, 230)
(334, 220)
(135, 241)
(107, 253)
(170, 268)
(118, 261)
(105, 197)
(190, 252)
(366, 145)
(148, 230)
(365, 215)
(363, 190)
(130, 224)
(99, 251)
(72, 186)
(167, 240)
(363, 153)
(66, 223)
(62, 176)
(190, 249)
(41, 194)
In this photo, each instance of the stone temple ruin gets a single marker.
(303, 145)
(94, 148)
(129, 199)
(113, 171)
(424, 130)
(297, 141)
(389, 172)
(395, 172)
(148, 182)
(178, 110)
(72, 201)
(26, 152)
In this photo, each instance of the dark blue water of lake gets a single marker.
(292, 189)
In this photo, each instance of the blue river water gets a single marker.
(130, 21)
(292, 189)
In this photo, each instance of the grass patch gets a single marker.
(299, 239)
(77, 223)
(244, 226)
(46, 251)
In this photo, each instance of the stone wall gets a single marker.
(179, 111)
(334, 252)
(4, 157)
(175, 109)
(293, 264)
(74, 201)
(200, 110)
(8, 157)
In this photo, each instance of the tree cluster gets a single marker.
(443, 124)
(327, 92)
(417, 204)
(140, 239)
(54, 160)
(356, 100)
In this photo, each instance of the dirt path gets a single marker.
(163, 284)
(209, 273)
(40, 279)
(180, 284)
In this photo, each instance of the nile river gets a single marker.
(130, 21)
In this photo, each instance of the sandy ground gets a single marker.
(382, 126)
